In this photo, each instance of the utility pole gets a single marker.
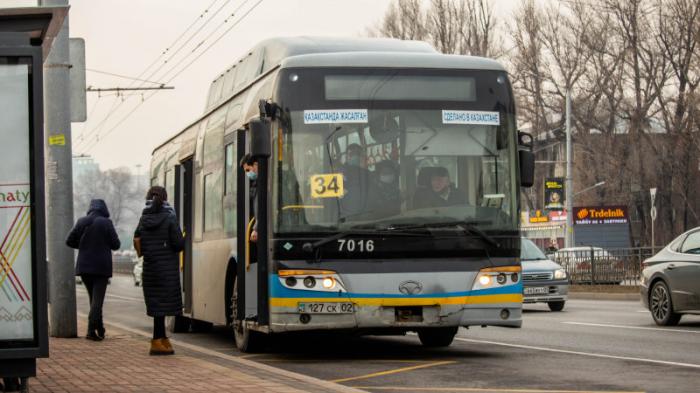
(569, 239)
(59, 184)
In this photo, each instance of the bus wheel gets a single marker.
(556, 306)
(437, 337)
(247, 341)
(178, 324)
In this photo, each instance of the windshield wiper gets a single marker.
(468, 226)
(311, 247)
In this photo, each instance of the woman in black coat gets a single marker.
(95, 238)
(159, 239)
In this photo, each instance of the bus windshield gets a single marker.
(380, 150)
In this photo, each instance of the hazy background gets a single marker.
(125, 37)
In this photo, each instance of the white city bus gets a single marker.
(388, 192)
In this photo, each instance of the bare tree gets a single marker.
(120, 191)
(452, 26)
(404, 20)
(632, 68)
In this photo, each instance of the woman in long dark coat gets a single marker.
(159, 239)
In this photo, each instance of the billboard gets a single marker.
(554, 193)
(16, 308)
(600, 215)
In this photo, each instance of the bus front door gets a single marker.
(183, 207)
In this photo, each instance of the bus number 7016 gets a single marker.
(359, 245)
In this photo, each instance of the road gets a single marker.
(592, 346)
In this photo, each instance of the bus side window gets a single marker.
(230, 189)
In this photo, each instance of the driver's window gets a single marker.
(691, 245)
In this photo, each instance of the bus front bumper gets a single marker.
(406, 318)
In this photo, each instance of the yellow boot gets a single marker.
(158, 347)
(168, 345)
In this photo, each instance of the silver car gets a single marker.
(138, 271)
(671, 280)
(543, 280)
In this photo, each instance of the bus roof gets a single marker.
(392, 60)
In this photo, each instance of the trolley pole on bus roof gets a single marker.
(59, 185)
(569, 239)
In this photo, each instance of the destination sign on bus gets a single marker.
(471, 117)
(335, 116)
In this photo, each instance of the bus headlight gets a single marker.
(559, 274)
(485, 280)
(328, 283)
(495, 276)
(312, 280)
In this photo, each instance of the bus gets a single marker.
(388, 190)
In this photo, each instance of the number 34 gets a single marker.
(359, 245)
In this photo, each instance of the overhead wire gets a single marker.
(124, 118)
(122, 76)
(114, 108)
(206, 38)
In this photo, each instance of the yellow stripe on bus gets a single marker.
(485, 299)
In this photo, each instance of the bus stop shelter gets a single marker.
(26, 35)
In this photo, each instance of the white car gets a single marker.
(138, 272)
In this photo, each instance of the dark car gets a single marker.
(671, 280)
(543, 280)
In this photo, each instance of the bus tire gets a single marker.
(178, 324)
(556, 306)
(437, 337)
(247, 341)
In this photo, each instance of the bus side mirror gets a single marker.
(260, 138)
(527, 159)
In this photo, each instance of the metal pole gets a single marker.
(59, 185)
(569, 240)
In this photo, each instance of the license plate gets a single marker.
(326, 308)
(536, 290)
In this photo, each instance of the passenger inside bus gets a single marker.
(435, 189)
(386, 185)
(356, 179)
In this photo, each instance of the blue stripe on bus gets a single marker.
(280, 291)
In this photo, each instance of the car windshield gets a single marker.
(530, 252)
(363, 158)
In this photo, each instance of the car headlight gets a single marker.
(559, 274)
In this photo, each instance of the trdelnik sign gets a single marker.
(600, 215)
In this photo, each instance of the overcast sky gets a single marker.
(125, 37)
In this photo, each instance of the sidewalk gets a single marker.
(121, 363)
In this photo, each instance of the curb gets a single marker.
(247, 363)
(604, 296)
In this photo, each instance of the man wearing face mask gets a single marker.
(387, 199)
(250, 167)
(356, 182)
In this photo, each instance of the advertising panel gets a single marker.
(598, 215)
(16, 308)
(554, 193)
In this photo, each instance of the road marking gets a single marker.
(323, 360)
(631, 327)
(595, 355)
(444, 389)
(395, 371)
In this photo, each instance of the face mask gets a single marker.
(354, 160)
(251, 175)
(386, 178)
